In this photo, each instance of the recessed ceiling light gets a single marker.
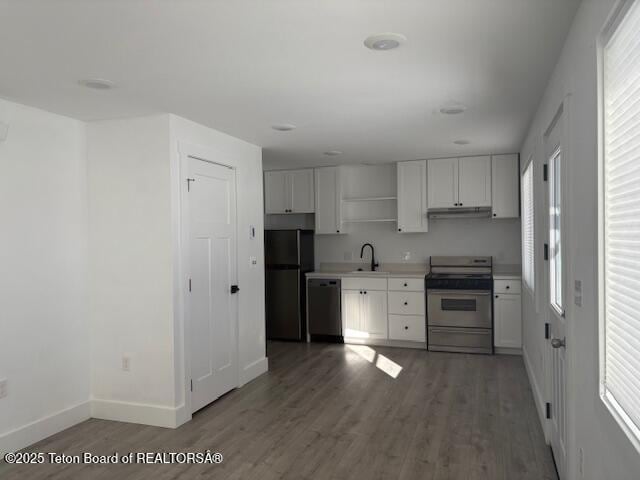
(333, 153)
(461, 142)
(385, 41)
(284, 127)
(453, 109)
(97, 83)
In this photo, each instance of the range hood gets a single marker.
(466, 212)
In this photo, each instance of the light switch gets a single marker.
(406, 256)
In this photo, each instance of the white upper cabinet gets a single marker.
(474, 182)
(459, 182)
(275, 192)
(412, 196)
(328, 188)
(301, 187)
(289, 191)
(505, 186)
(442, 178)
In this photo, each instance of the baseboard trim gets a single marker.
(507, 351)
(538, 398)
(386, 343)
(254, 370)
(146, 414)
(42, 428)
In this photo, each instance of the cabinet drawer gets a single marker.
(407, 327)
(406, 303)
(363, 283)
(471, 339)
(506, 286)
(406, 284)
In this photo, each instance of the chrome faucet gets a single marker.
(374, 265)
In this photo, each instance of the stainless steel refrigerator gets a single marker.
(288, 256)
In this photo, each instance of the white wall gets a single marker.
(608, 454)
(136, 277)
(477, 236)
(130, 255)
(44, 330)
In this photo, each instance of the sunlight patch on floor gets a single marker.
(385, 364)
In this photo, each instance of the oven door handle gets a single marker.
(459, 292)
(460, 331)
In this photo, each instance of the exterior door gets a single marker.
(556, 304)
(213, 308)
(474, 183)
(442, 177)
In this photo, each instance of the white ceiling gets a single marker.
(240, 66)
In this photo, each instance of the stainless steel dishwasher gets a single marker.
(323, 310)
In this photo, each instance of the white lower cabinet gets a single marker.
(407, 327)
(507, 320)
(364, 312)
(383, 309)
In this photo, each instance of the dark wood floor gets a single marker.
(332, 412)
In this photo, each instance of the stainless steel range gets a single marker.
(459, 305)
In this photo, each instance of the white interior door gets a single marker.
(556, 302)
(213, 308)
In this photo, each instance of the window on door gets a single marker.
(619, 219)
(555, 232)
(528, 243)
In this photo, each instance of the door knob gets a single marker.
(557, 342)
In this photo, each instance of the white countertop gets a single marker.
(337, 270)
(366, 274)
(507, 272)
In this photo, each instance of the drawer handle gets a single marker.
(406, 327)
(406, 303)
(507, 287)
(406, 285)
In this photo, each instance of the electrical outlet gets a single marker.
(126, 363)
(3, 388)
(253, 261)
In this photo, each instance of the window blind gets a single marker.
(621, 218)
(528, 244)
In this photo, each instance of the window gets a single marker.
(619, 220)
(555, 232)
(528, 242)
